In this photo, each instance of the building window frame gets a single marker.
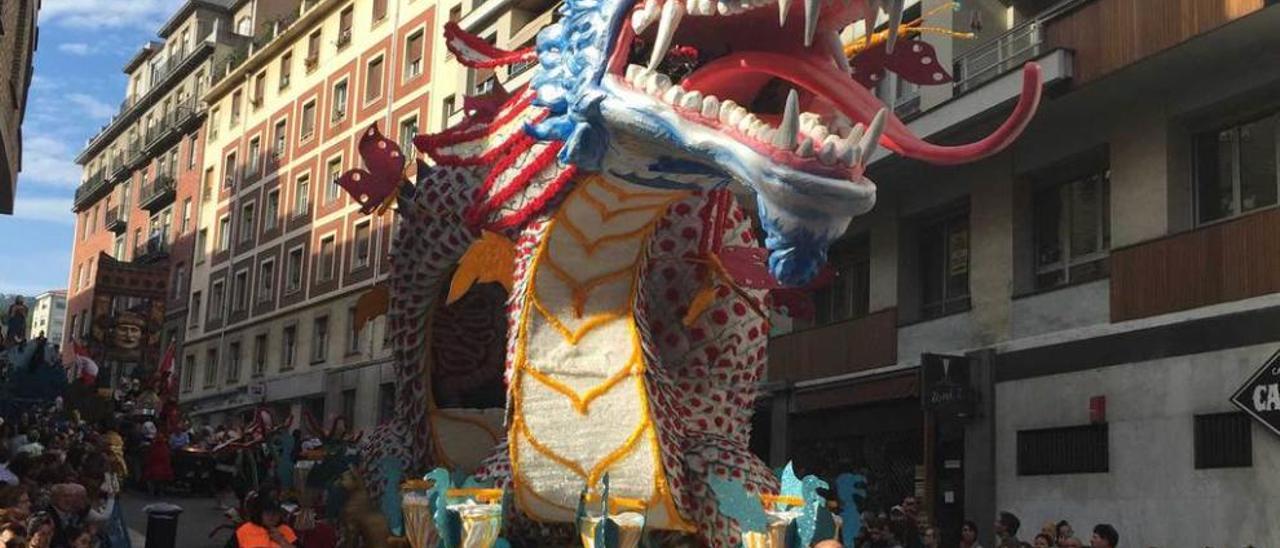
(1056, 261)
(953, 229)
(294, 270)
(1237, 134)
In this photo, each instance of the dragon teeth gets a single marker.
(827, 154)
(872, 137)
(710, 107)
(895, 19)
(691, 100)
(633, 71)
(812, 8)
(783, 7)
(805, 150)
(833, 43)
(672, 12)
(672, 95)
(657, 84)
(786, 136)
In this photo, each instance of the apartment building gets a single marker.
(1105, 285)
(282, 254)
(48, 313)
(18, 39)
(136, 206)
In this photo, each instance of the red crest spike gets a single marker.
(915, 61)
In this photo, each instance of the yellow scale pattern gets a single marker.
(579, 309)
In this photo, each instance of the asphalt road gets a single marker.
(199, 516)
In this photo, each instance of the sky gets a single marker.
(77, 87)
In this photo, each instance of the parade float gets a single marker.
(587, 243)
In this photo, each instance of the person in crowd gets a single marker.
(68, 509)
(931, 538)
(1070, 542)
(180, 439)
(157, 471)
(1006, 527)
(7, 477)
(16, 501)
(1063, 532)
(32, 445)
(265, 527)
(1104, 536)
(1050, 529)
(969, 535)
(1043, 540)
(17, 325)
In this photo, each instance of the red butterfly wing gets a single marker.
(917, 62)
(868, 67)
(385, 161)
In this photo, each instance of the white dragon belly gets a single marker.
(580, 404)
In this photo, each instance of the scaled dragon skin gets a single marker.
(577, 137)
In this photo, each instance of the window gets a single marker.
(339, 101)
(301, 195)
(259, 89)
(349, 405)
(279, 137)
(186, 215)
(320, 339)
(244, 26)
(1236, 169)
(848, 295)
(344, 27)
(1072, 231)
(235, 107)
(260, 355)
(192, 149)
(202, 242)
(271, 214)
(240, 289)
(224, 233)
(286, 68)
(266, 280)
(216, 295)
(353, 334)
(233, 362)
(944, 264)
(126, 197)
(215, 119)
(193, 317)
(1069, 450)
(179, 279)
(413, 56)
(255, 151)
(1223, 440)
(450, 105)
(288, 347)
(386, 402)
(246, 222)
(308, 119)
(80, 276)
(327, 250)
(379, 10)
(408, 129)
(373, 80)
(206, 193)
(362, 245)
(313, 51)
(334, 172)
(229, 171)
(211, 368)
(188, 373)
(118, 250)
(93, 222)
(293, 270)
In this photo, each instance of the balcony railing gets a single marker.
(96, 186)
(155, 249)
(114, 221)
(1218, 263)
(158, 194)
(1007, 51)
(835, 349)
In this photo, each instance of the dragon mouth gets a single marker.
(783, 92)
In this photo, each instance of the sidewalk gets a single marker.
(199, 517)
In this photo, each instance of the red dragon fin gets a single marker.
(474, 52)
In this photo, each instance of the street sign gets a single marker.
(944, 385)
(1260, 396)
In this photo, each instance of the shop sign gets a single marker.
(944, 385)
(1260, 395)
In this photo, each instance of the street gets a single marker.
(199, 517)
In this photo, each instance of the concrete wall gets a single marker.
(1066, 308)
(1153, 494)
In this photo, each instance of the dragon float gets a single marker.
(625, 327)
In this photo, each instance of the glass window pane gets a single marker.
(1214, 175)
(1086, 214)
(1258, 164)
(932, 256)
(957, 259)
(1048, 227)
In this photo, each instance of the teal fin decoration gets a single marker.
(814, 503)
(736, 503)
(850, 490)
(393, 470)
(790, 484)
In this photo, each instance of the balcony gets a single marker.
(119, 168)
(1223, 262)
(158, 194)
(155, 250)
(94, 188)
(836, 349)
(114, 221)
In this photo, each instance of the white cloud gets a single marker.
(54, 210)
(75, 48)
(143, 15)
(92, 106)
(48, 161)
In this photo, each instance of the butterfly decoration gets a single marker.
(914, 61)
(375, 188)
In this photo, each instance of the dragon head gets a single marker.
(689, 93)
